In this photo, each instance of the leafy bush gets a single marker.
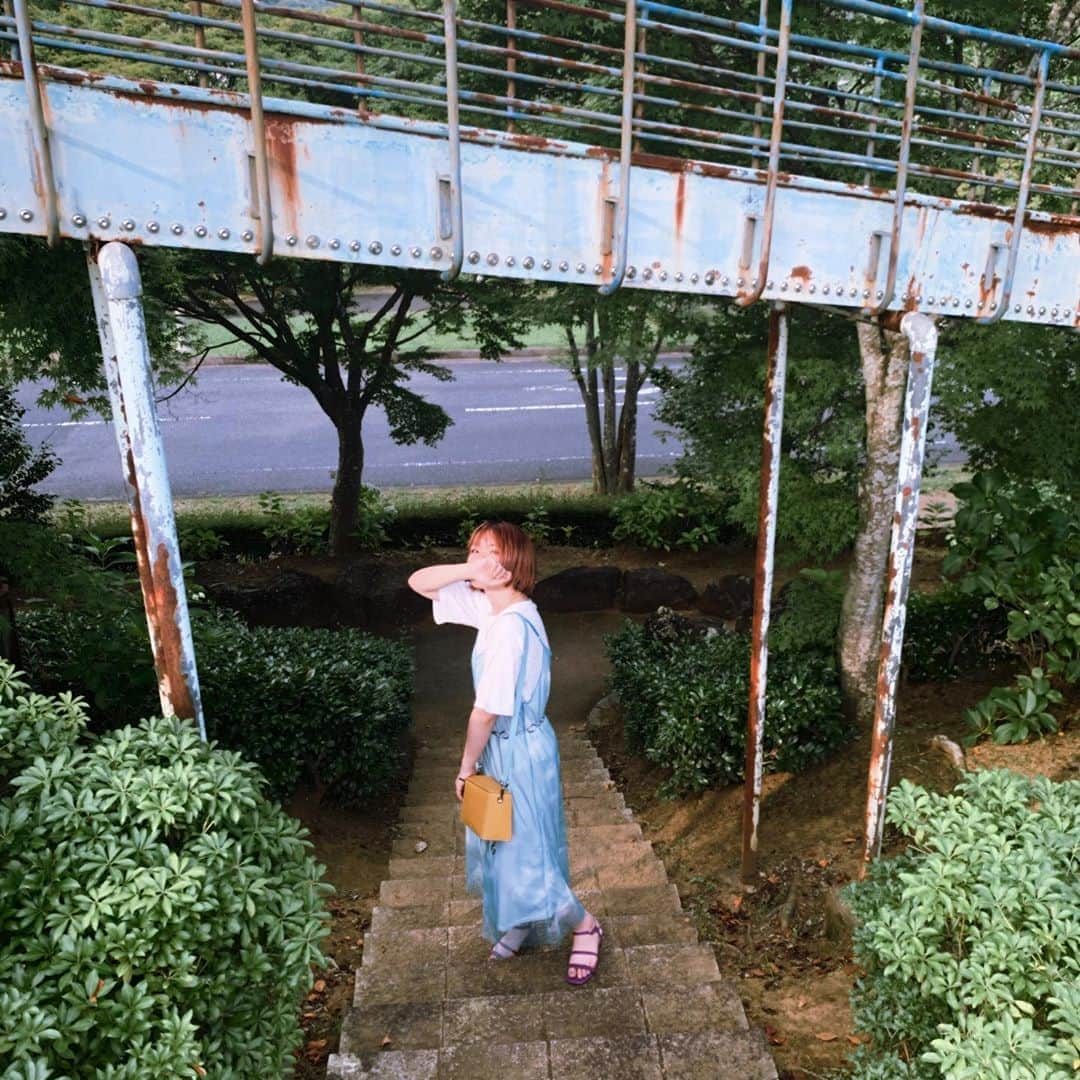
(331, 704)
(297, 530)
(1016, 547)
(970, 940)
(158, 916)
(682, 514)
(810, 615)
(21, 467)
(949, 632)
(684, 702)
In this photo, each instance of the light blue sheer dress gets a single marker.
(525, 881)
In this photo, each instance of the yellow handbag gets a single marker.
(487, 807)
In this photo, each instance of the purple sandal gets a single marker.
(597, 932)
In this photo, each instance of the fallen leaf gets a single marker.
(823, 863)
(421, 847)
(309, 1016)
(386, 1040)
(757, 973)
(851, 840)
(801, 1003)
(320, 986)
(775, 1038)
(93, 997)
(855, 1040)
(774, 879)
(826, 1036)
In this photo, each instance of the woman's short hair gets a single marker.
(516, 552)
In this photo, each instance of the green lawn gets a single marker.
(222, 343)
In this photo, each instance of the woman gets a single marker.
(524, 881)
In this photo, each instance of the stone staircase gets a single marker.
(428, 1003)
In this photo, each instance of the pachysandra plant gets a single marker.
(970, 939)
(159, 917)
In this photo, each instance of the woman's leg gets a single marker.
(584, 951)
(508, 945)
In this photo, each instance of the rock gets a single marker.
(604, 714)
(290, 598)
(668, 625)
(580, 588)
(371, 592)
(650, 588)
(732, 597)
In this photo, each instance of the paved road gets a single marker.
(242, 430)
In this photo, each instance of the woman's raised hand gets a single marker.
(488, 572)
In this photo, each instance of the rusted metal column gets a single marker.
(768, 500)
(258, 134)
(511, 61)
(452, 216)
(200, 39)
(921, 333)
(153, 526)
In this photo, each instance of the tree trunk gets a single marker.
(627, 446)
(348, 484)
(884, 361)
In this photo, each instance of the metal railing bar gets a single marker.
(258, 136)
(38, 126)
(453, 132)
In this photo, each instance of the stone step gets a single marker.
(571, 747)
(445, 835)
(442, 787)
(604, 808)
(734, 1055)
(447, 766)
(429, 965)
(575, 796)
(570, 1013)
(617, 901)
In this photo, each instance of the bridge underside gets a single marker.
(155, 163)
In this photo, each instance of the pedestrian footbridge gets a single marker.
(880, 161)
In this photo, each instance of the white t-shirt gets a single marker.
(500, 639)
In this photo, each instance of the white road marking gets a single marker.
(99, 423)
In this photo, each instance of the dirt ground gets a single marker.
(783, 944)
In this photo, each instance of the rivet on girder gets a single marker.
(334, 244)
(127, 225)
(564, 266)
(967, 303)
(152, 227)
(78, 220)
(738, 281)
(354, 246)
(1017, 308)
(312, 242)
(724, 280)
(581, 268)
(956, 301)
(678, 276)
(813, 288)
(993, 306)
(598, 270)
(825, 290)
(753, 284)
(492, 259)
(1066, 313)
(291, 240)
(880, 295)
(631, 272)
(474, 257)
(528, 262)
(769, 285)
(200, 231)
(3, 214)
(104, 222)
(979, 305)
(662, 275)
(247, 236)
(436, 253)
(646, 273)
(710, 277)
(416, 252)
(26, 215)
(1042, 311)
(798, 286)
(510, 260)
(783, 286)
(693, 279)
(223, 233)
(1031, 309)
(1054, 313)
(176, 230)
(931, 300)
(546, 264)
(866, 294)
(395, 249)
(375, 247)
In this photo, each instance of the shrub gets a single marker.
(949, 632)
(810, 616)
(684, 701)
(158, 917)
(682, 514)
(297, 530)
(21, 467)
(333, 704)
(970, 940)
(1016, 547)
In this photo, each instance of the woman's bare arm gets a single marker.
(428, 581)
(476, 737)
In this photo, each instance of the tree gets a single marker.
(631, 327)
(304, 318)
(21, 466)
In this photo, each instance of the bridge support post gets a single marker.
(921, 333)
(117, 292)
(768, 501)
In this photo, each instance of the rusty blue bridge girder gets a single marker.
(902, 183)
(162, 161)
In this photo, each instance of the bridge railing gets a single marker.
(860, 92)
